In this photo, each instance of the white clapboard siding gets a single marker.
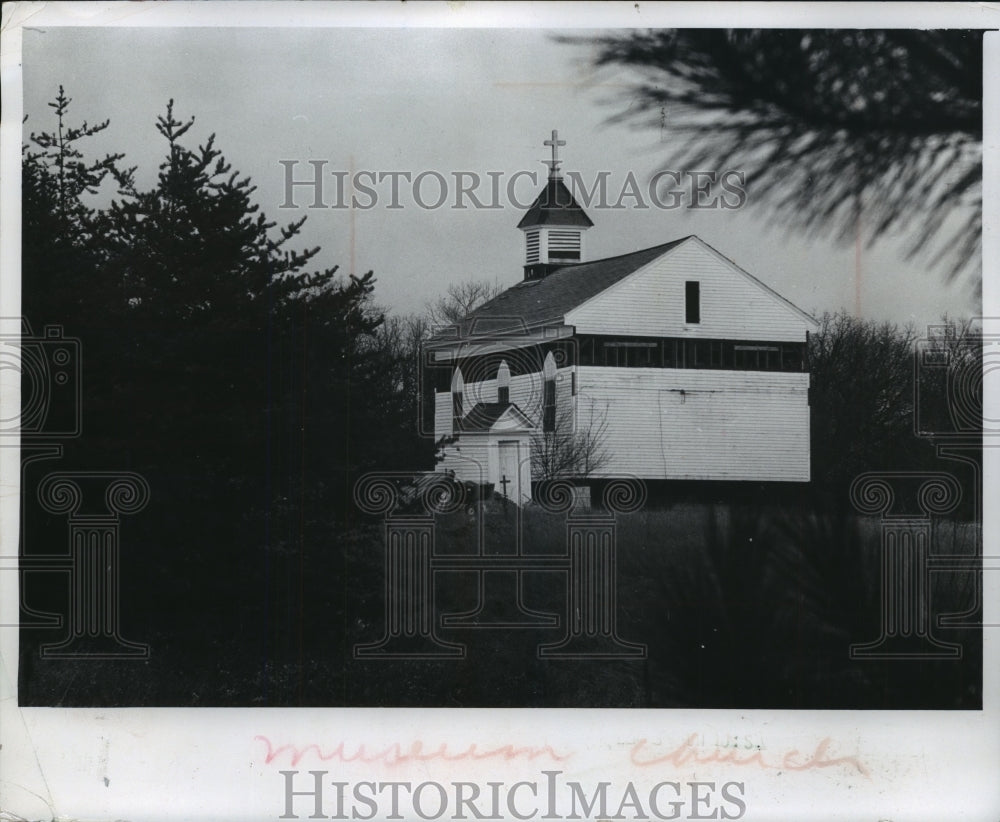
(650, 302)
(728, 425)
(526, 394)
(442, 415)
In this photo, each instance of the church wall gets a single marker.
(728, 425)
(651, 302)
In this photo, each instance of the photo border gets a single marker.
(159, 763)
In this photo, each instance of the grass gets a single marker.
(738, 606)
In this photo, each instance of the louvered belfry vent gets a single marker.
(564, 245)
(532, 246)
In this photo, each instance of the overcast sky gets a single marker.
(440, 101)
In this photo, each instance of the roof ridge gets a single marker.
(622, 256)
(556, 294)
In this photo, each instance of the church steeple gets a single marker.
(553, 227)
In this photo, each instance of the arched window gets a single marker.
(457, 397)
(549, 394)
(503, 383)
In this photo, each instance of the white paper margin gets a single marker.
(197, 764)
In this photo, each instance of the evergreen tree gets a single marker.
(59, 236)
(230, 344)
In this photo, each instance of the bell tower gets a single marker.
(554, 225)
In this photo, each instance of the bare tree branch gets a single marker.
(569, 452)
(460, 300)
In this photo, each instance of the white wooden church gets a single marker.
(667, 363)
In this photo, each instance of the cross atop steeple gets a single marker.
(553, 164)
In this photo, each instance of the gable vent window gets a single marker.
(564, 245)
(692, 301)
(533, 247)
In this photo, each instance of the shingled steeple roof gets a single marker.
(555, 206)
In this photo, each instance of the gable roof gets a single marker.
(555, 206)
(484, 415)
(760, 283)
(534, 301)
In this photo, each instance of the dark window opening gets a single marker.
(692, 301)
(757, 357)
(630, 354)
(503, 395)
(698, 352)
(791, 357)
(670, 353)
(678, 352)
(549, 406)
(636, 352)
